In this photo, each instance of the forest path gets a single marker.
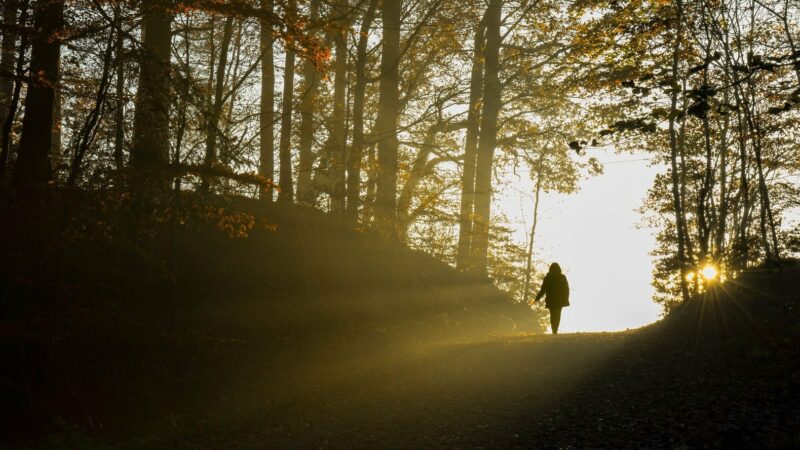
(607, 390)
(413, 395)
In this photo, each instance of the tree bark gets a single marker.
(492, 91)
(9, 19)
(677, 199)
(56, 151)
(529, 258)
(703, 225)
(119, 92)
(767, 222)
(225, 153)
(372, 173)
(741, 245)
(467, 211)
(266, 160)
(285, 182)
(338, 144)
(722, 217)
(386, 121)
(706, 214)
(150, 150)
(308, 105)
(5, 143)
(33, 162)
(359, 98)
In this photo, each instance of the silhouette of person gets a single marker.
(556, 290)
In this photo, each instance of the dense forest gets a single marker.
(399, 116)
(280, 223)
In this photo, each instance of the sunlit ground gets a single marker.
(596, 236)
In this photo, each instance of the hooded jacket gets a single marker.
(556, 290)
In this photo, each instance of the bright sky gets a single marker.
(597, 237)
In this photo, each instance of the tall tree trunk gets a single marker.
(212, 125)
(466, 213)
(359, 97)
(308, 105)
(226, 155)
(285, 182)
(9, 37)
(119, 92)
(339, 124)
(33, 163)
(722, 218)
(688, 243)
(706, 188)
(767, 221)
(150, 150)
(9, 19)
(56, 151)
(677, 198)
(741, 245)
(184, 105)
(266, 160)
(5, 141)
(492, 91)
(529, 259)
(372, 174)
(706, 214)
(386, 122)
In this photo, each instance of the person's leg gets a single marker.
(555, 319)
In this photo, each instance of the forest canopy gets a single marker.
(400, 116)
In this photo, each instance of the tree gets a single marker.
(150, 150)
(386, 122)
(285, 182)
(492, 92)
(307, 108)
(338, 136)
(7, 59)
(266, 117)
(10, 91)
(212, 126)
(680, 218)
(119, 92)
(33, 162)
(359, 93)
(709, 74)
(467, 212)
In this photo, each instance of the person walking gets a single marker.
(555, 289)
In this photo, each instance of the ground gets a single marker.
(322, 338)
(721, 372)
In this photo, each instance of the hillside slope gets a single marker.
(93, 326)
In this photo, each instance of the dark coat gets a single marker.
(556, 288)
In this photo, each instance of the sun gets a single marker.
(709, 272)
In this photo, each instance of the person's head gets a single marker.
(555, 268)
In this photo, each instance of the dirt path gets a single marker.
(607, 390)
(458, 394)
